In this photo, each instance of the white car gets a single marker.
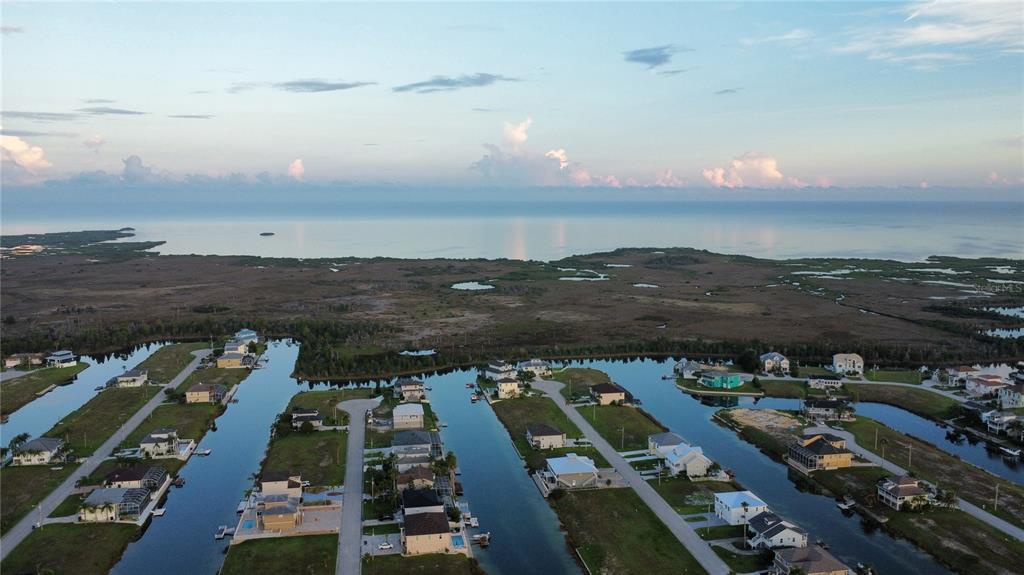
(385, 546)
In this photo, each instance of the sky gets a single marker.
(818, 96)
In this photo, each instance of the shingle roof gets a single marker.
(665, 438)
(812, 559)
(135, 473)
(542, 429)
(426, 523)
(276, 475)
(410, 437)
(413, 498)
(40, 444)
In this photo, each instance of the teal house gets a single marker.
(720, 379)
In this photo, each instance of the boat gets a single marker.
(474, 522)
(57, 468)
(159, 512)
(1009, 452)
(444, 424)
(204, 452)
(179, 482)
(482, 539)
(429, 388)
(469, 386)
(846, 504)
(821, 544)
(99, 388)
(221, 532)
(242, 505)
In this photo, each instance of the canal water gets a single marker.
(44, 412)
(182, 540)
(527, 537)
(689, 417)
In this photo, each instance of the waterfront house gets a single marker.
(998, 422)
(659, 444)
(828, 409)
(279, 512)
(302, 415)
(985, 385)
(903, 491)
(235, 346)
(113, 504)
(538, 367)
(571, 472)
(130, 378)
(829, 381)
(848, 363)
(62, 358)
(819, 451)
(416, 501)
(1012, 397)
(247, 336)
(688, 460)
(767, 530)
(415, 478)
(720, 378)
(774, 361)
(281, 482)
(161, 442)
(205, 393)
(544, 436)
(610, 394)
(499, 369)
(688, 369)
(426, 533)
(230, 360)
(958, 375)
(738, 507)
(408, 416)
(414, 448)
(136, 477)
(508, 388)
(811, 560)
(39, 451)
(408, 389)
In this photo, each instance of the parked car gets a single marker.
(385, 546)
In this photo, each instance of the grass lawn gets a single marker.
(382, 529)
(169, 360)
(69, 548)
(579, 380)
(327, 399)
(935, 465)
(306, 555)
(795, 389)
(615, 532)
(689, 497)
(18, 392)
(212, 376)
(611, 420)
(24, 487)
(191, 420)
(919, 401)
(720, 532)
(420, 565)
(376, 439)
(318, 456)
(806, 371)
(517, 414)
(899, 376)
(67, 507)
(376, 507)
(964, 543)
(90, 425)
(744, 563)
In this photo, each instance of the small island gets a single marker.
(267, 234)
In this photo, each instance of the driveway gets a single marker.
(682, 531)
(50, 502)
(967, 507)
(350, 536)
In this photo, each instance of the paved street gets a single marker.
(927, 385)
(24, 527)
(977, 512)
(13, 374)
(682, 531)
(350, 536)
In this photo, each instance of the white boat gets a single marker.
(204, 452)
(846, 504)
(474, 522)
(1010, 452)
(444, 424)
(159, 512)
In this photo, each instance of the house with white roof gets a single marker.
(1012, 397)
(769, 531)
(130, 378)
(113, 504)
(161, 442)
(688, 369)
(498, 369)
(236, 346)
(738, 507)
(408, 416)
(246, 336)
(850, 363)
(62, 358)
(688, 460)
(537, 367)
(571, 471)
(998, 421)
(774, 361)
(659, 444)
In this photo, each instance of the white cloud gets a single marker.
(297, 170)
(667, 179)
(21, 162)
(794, 36)
(751, 170)
(94, 142)
(561, 156)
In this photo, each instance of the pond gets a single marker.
(44, 412)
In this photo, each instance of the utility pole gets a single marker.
(876, 438)
(996, 502)
(622, 444)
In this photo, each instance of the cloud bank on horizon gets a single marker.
(749, 95)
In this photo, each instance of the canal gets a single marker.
(40, 415)
(527, 536)
(182, 540)
(691, 418)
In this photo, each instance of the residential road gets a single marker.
(350, 536)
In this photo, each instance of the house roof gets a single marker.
(534, 363)
(410, 437)
(821, 446)
(421, 473)
(842, 356)
(409, 382)
(542, 429)
(433, 523)
(134, 373)
(666, 439)
(772, 355)
(232, 355)
(408, 410)
(571, 463)
(768, 524)
(988, 381)
(116, 495)
(413, 498)
(303, 417)
(826, 377)
(607, 388)
(276, 476)
(135, 473)
(305, 411)
(812, 559)
(735, 499)
(159, 435)
(682, 452)
(41, 444)
(902, 486)
(206, 387)
(825, 403)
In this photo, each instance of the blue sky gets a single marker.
(697, 95)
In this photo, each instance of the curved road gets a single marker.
(350, 536)
(22, 529)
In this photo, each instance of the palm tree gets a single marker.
(883, 442)
(746, 507)
(18, 441)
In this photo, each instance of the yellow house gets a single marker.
(609, 394)
(204, 393)
(508, 388)
(820, 451)
(230, 360)
(280, 512)
(426, 533)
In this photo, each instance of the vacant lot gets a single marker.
(212, 375)
(191, 420)
(309, 555)
(319, 456)
(626, 428)
(169, 360)
(18, 392)
(421, 565)
(579, 380)
(24, 487)
(919, 401)
(895, 375)
(327, 400)
(517, 414)
(90, 549)
(689, 497)
(627, 539)
(90, 425)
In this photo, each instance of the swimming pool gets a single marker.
(458, 541)
(248, 524)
